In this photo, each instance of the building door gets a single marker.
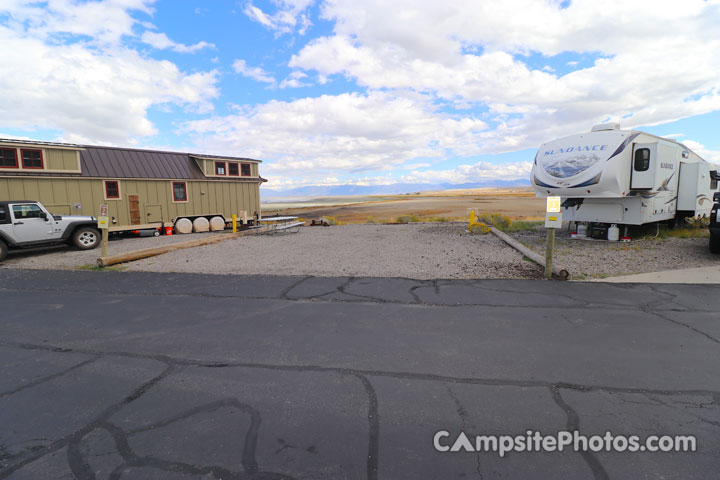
(154, 213)
(644, 166)
(134, 202)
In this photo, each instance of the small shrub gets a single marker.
(498, 221)
(407, 219)
(371, 220)
(331, 221)
(479, 229)
(522, 226)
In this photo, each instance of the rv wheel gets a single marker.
(3, 250)
(86, 238)
(715, 243)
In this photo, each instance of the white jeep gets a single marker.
(30, 224)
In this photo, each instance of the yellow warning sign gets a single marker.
(553, 204)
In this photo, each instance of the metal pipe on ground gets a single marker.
(557, 272)
(151, 252)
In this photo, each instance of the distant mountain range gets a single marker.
(392, 189)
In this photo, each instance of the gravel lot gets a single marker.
(587, 258)
(420, 251)
(66, 257)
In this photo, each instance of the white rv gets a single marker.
(624, 177)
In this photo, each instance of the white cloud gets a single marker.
(94, 89)
(256, 73)
(294, 80)
(291, 16)
(712, 156)
(161, 41)
(344, 133)
(656, 61)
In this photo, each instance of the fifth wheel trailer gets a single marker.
(624, 177)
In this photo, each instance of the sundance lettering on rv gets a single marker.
(586, 148)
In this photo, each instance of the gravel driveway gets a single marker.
(587, 258)
(420, 251)
(66, 257)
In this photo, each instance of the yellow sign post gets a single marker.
(103, 225)
(234, 217)
(553, 221)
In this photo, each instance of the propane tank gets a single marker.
(613, 233)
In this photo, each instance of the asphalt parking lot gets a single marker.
(150, 375)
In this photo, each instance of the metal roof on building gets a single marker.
(114, 162)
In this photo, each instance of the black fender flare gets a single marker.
(72, 226)
(7, 240)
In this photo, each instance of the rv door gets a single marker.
(644, 163)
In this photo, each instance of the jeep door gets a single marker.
(29, 224)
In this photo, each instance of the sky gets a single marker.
(335, 92)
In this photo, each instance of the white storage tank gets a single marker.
(613, 233)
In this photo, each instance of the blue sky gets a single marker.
(339, 91)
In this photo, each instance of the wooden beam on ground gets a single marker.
(151, 252)
(558, 272)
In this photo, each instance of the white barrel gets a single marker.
(613, 233)
(183, 225)
(581, 230)
(217, 224)
(201, 224)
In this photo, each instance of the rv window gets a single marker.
(245, 169)
(112, 189)
(8, 158)
(179, 192)
(32, 158)
(233, 169)
(642, 159)
(219, 168)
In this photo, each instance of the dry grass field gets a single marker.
(516, 203)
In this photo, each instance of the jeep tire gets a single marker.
(3, 250)
(86, 238)
(714, 243)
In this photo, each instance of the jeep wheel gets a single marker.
(715, 243)
(86, 238)
(3, 250)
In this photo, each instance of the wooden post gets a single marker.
(104, 244)
(234, 217)
(549, 247)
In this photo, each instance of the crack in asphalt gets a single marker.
(82, 470)
(436, 285)
(47, 378)
(573, 425)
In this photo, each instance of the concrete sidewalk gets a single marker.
(709, 274)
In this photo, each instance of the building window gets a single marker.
(233, 169)
(31, 158)
(245, 169)
(8, 158)
(112, 190)
(219, 168)
(179, 192)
